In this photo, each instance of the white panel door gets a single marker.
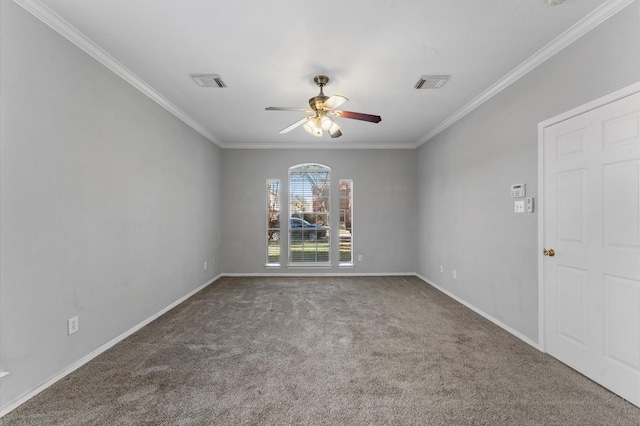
(592, 222)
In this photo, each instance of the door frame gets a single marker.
(589, 106)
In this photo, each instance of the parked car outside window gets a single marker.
(301, 229)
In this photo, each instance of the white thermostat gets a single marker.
(518, 190)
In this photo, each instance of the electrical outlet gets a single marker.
(205, 266)
(441, 268)
(359, 258)
(72, 325)
(455, 274)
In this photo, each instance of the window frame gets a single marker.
(273, 207)
(300, 212)
(347, 217)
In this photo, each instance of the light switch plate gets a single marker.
(518, 206)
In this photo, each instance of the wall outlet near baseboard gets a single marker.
(72, 325)
(359, 258)
(441, 268)
(455, 274)
(205, 266)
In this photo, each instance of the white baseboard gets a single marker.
(321, 274)
(480, 312)
(82, 361)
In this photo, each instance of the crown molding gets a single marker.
(584, 26)
(316, 145)
(58, 24)
(68, 31)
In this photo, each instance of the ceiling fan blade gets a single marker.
(357, 116)
(287, 109)
(334, 101)
(293, 126)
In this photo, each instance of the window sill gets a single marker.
(346, 266)
(309, 266)
(272, 266)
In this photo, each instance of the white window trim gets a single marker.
(273, 265)
(351, 264)
(319, 265)
(307, 265)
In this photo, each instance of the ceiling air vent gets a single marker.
(431, 81)
(208, 80)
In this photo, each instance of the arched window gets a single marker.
(309, 215)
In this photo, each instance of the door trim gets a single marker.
(607, 99)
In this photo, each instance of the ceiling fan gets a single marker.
(321, 112)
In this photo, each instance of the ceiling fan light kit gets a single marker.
(321, 108)
(312, 126)
(326, 122)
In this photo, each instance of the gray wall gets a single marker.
(384, 183)
(465, 173)
(109, 204)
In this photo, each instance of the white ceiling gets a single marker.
(267, 52)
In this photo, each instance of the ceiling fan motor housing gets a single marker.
(316, 103)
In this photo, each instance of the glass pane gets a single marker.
(309, 206)
(308, 251)
(273, 221)
(273, 251)
(346, 221)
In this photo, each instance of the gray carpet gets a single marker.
(348, 351)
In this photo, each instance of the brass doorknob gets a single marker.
(550, 252)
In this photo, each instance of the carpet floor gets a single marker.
(325, 351)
